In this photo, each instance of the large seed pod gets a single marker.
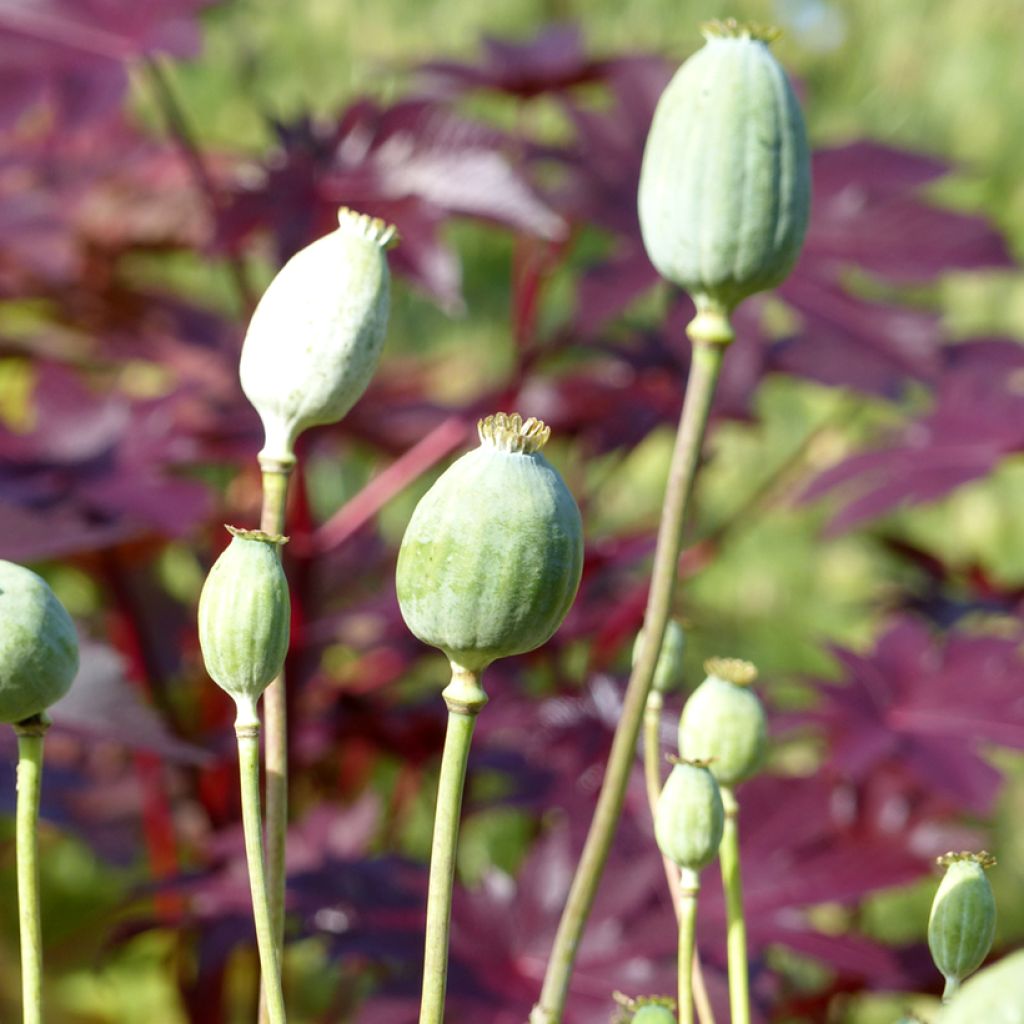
(689, 817)
(993, 996)
(245, 615)
(723, 722)
(315, 337)
(962, 923)
(725, 185)
(38, 645)
(492, 557)
(668, 674)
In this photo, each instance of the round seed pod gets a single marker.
(654, 1013)
(668, 674)
(723, 722)
(993, 996)
(245, 615)
(315, 337)
(492, 557)
(38, 645)
(725, 185)
(689, 817)
(962, 923)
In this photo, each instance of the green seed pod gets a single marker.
(38, 645)
(668, 675)
(993, 996)
(654, 1013)
(492, 557)
(314, 340)
(244, 616)
(962, 923)
(689, 817)
(723, 722)
(725, 185)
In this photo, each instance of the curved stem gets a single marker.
(689, 890)
(736, 936)
(704, 369)
(275, 714)
(951, 989)
(247, 729)
(652, 778)
(30, 770)
(464, 697)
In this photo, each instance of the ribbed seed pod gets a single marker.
(316, 335)
(993, 996)
(725, 185)
(962, 923)
(492, 557)
(654, 1013)
(668, 674)
(689, 818)
(245, 615)
(723, 722)
(38, 645)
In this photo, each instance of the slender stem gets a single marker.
(464, 697)
(707, 361)
(687, 906)
(275, 714)
(736, 935)
(247, 729)
(652, 777)
(30, 771)
(951, 989)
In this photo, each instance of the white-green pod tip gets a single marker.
(668, 674)
(316, 335)
(689, 817)
(38, 645)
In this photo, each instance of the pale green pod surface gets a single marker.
(993, 996)
(316, 335)
(245, 615)
(652, 1014)
(725, 185)
(723, 722)
(689, 817)
(668, 674)
(38, 645)
(492, 556)
(962, 923)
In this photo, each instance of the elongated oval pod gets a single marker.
(38, 645)
(725, 185)
(492, 556)
(668, 674)
(245, 615)
(962, 923)
(316, 335)
(723, 722)
(993, 996)
(689, 818)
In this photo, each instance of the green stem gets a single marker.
(464, 697)
(951, 989)
(247, 729)
(687, 909)
(736, 936)
(652, 778)
(707, 361)
(275, 714)
(30, 771)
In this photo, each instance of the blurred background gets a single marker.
(856, 532)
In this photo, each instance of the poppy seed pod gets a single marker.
(723, 722)
(689, 818)
(654, 1013)
(668, 674)
(245, 615)
(993, 996)
(725, 184)
(492, 556)
(38, 645)
(962, 922)
(316, 335)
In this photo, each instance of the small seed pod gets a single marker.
(725, 185)
(689, 817)
(315, 337)
(668, 675)
(962, 923)
(654, 1013)
(993, 996)
(38, 645)
(492, 557)
(723, 722)
(245, 615)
